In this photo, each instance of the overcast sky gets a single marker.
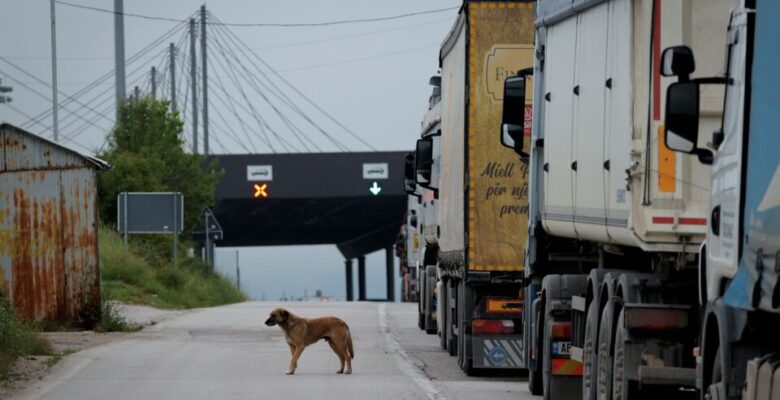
(372, 77)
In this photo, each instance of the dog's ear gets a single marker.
(284, 314)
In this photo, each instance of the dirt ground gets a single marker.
(29, 370)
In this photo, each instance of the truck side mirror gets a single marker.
(677, 61)
(682, 117)
(513, 113)
(423, 161)
(409, 182)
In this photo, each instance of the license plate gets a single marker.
(561, 348)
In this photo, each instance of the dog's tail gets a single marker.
(349, 344)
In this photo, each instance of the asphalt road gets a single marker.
(228, 353)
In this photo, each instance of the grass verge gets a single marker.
(17, 339)
(141, 273)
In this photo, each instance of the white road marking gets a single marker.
(403, 360)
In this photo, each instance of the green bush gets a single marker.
(17, 339)
(142, 273)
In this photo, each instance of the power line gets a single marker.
(351, 60)
(239, 43)
(262, 24)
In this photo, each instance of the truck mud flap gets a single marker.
(498, 351)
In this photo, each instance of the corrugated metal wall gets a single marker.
(48, 229)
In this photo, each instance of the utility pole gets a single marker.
(193, 75)
(137, 93)
(154, 82)
(55, 105)
(5, 89)
(205, 80)
(172, 55)
(119, 53)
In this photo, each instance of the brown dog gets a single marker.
(301, 332)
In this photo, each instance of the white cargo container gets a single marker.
(616, 218)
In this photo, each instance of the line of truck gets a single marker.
(600, 207)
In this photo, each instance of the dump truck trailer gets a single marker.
(616, 218)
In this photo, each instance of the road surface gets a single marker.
(228, 353)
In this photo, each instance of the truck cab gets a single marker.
(739, 270)
(423, 178)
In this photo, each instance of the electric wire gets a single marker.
(262, 24)
(242, 44)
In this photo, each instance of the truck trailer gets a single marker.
(629, 299)
(480, 192)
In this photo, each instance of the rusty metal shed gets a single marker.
(49, 265)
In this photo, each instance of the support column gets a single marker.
(350, 291)
(389, 264)
(362, 278)
(172, 65)
(205, 86)
(194, 82)
(119, 53)
(154, 82)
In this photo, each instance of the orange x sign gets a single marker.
(260, 190)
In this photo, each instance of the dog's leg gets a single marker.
(344, 347)
(339, 353)
(294, 361)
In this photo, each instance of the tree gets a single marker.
(145, 149)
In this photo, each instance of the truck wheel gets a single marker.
(621, 390)
(420, 300)
(463, 361)
(604, 365)
(428, 311)
(452, 318)
(444, 306)
(589, 355)
(535, 384)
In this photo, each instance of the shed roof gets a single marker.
(21, 150)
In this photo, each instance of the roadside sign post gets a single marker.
(151, 212)
(212, 232)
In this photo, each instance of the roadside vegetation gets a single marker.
(142, 273)
(146, 151)
(17, 339)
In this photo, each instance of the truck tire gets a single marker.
(420, 299)
(589, 353)
(604, 365)
(621, 390)
(535, 384)
(428, 312)
(444, 306)
(463, 361)
(452, 318)
(555, 387)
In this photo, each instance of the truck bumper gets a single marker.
(498, 351)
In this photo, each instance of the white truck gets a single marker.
(425, 196)
(616, 218)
